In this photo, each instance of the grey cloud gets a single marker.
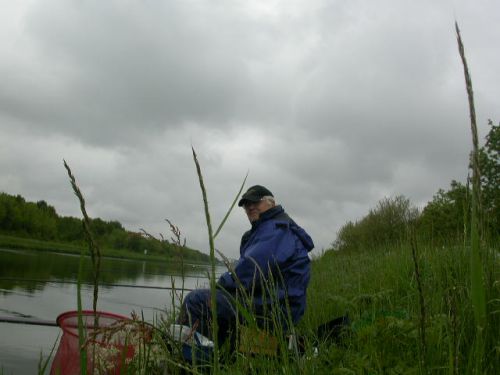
(116, 69)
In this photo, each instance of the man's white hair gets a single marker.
(269, 198)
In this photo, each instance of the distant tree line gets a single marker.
(39, 220)
(443, 221)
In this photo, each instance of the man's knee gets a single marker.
(197, 297)
(197, 302)
(194, 306)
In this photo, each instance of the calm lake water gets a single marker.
(39, 285)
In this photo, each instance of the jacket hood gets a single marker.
(278, 213)
(303, 236)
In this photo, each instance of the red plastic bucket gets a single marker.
(107, 345)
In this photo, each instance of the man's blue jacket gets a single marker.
(274, 250)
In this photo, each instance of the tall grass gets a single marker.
(86, 225)
(213, 304)
(380, 291)
(421, 299)
(94, 250)
(478, 293)
(213, 261)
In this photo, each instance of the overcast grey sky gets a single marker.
(333, 105)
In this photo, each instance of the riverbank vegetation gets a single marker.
(37, 226)
(404, 321)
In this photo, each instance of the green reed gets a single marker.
(86, 225)
(478, 292)
(213, 304)
(421, 299)
(95, 252)
(43, 363)
(213, 262)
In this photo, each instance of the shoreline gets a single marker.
(9, 242)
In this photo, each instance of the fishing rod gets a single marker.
(100, 284)
(202, 277)
(28, 321)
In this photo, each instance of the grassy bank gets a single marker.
(21, 243)
(392, 331)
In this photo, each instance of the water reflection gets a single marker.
(32, 271)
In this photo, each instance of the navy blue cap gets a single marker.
(254, 194)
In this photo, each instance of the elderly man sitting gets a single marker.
(273, 269)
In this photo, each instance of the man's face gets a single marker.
(254, 209)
